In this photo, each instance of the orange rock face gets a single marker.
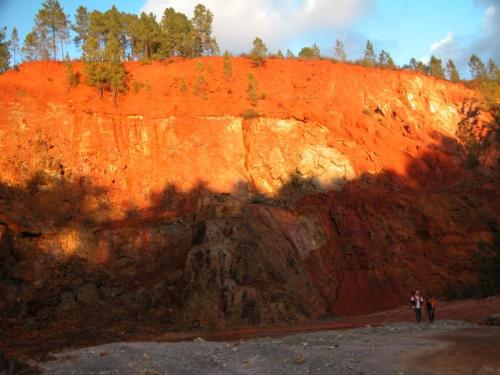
(337, 195)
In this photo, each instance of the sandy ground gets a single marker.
(445, 347)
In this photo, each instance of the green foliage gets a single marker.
(488, 264)
(258, 53)
(289, 54)
(203, 42)
(418, 66)
(477, 68)
(436, 68)
(104, 68)
(228, 67)
(492, 70)
(339, 50)
(147, 37)
(4, 51)
(279, 55)
(312, 52)
(385, 60)
(14, 44)
(199, 66)
(369, 57)
(30, 46)
(470, 141)
(72, 77)
(199, 87)
(52, 27)
(183, 86)
(81, 26)
(177, 32)
(452, 72)
(252, 89)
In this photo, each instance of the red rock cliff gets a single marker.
(339, 192)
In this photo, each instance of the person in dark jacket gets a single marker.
(430, 305)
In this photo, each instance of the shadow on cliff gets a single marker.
(73, 264)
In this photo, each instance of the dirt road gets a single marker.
(446, 347)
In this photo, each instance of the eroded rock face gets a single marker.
(341, 196)
(282, 152)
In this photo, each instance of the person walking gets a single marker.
(430, 304)
(417, 302)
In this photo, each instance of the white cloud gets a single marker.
(277, 22)
(485, 44)
(489, 44)
(443, 44)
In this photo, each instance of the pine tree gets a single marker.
(452, 72)
(258, 53)
(339, 50)
(30, 46)
(424, 68)
(252, 89)
(436, 68)
(72, 77)
(476, 67)
(493, 71)
(390, 63)
(203, 42)
(177, 31)
(4, 51)
(14, 44)
(316, 51)
(279, 55)
(52, 23)
(369, 58)
(413, 65)
(310, 52)
(81, 26)
(383, 58)
(289, 54)
(147, 36)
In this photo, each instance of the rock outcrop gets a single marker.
(345, 191)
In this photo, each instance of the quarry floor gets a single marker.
(444, 347)
(387, 342)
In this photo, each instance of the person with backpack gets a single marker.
(430, 304)
(417, 302)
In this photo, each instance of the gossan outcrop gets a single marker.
(338, 197)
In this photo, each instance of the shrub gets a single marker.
(250, 113)
(258, 53)
(199, 87)
(252, 89)
(228, 67)
(488, 265)
(183, 85)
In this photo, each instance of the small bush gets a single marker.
(136, 86)
(250, 113)
(488, 265)
(200, 86)
(228, 67)
(252, 90)
(183, 85)
(72, 77)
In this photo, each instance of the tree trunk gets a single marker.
(54, 48)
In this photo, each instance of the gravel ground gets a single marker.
(382, 350)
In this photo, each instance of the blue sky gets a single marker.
(406, 28)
